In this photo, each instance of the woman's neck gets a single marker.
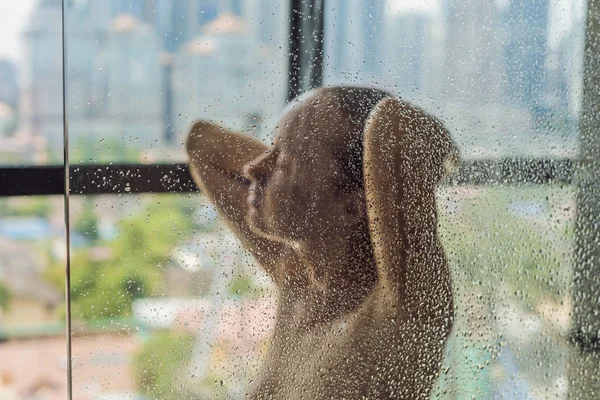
(341, 271)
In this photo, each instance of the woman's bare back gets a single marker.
(366, 354)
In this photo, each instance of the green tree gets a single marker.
(160, 364)
(5, 297)
(489, 244)
(108, 149)
(106, 288)
(87, 223)
(25, 207)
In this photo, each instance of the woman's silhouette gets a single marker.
(341, 213)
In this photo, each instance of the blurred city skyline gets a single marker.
(500, 74)
(14, 17)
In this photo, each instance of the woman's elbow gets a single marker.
(195, 139)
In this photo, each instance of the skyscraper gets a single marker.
(41, 106)
(228, 76)
(354, 41)
(268, 21)
(235, 7)
(8, 83)
(132, 7)
(179, 21)
(372, 32)
(473, 51)
(406, 48)
(525, 34)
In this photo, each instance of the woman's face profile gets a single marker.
(293, 187)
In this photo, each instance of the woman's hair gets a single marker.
(355, 104)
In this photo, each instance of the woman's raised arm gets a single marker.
(216, 160)
(404, 154)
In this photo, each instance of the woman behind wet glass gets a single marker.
(341, 213)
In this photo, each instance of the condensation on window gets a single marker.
(422, 226)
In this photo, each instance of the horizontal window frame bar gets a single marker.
(92, 179)
(514, 171)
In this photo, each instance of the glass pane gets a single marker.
(353, 298)
(505, 76)
(31, 115)
(166, 304)
(140, 72)
(33, 346)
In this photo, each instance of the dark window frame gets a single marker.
(91, 179)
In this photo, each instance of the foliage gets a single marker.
(106, 288)
(244, 285)
(87, 223)
(108, 149)
(25, 207)
(160, 363)
(5, 297)
(491, 243)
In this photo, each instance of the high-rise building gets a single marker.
(473, 97)
(473, 51)
(571, 52)
(113, 71)
(130, 60)
(9, 91)
(85, 37)
(41, 110)
(174, 21)
(179, 21)
(354, 41)
(267, 20)
(406, 50)
(336, 18)
(133, 66)
(235, 7)
(131, 7)
(101, 13)
(226, 76)
(372, 20)
(525, 40)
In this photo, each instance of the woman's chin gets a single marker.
(255, 221)
(258, 225)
